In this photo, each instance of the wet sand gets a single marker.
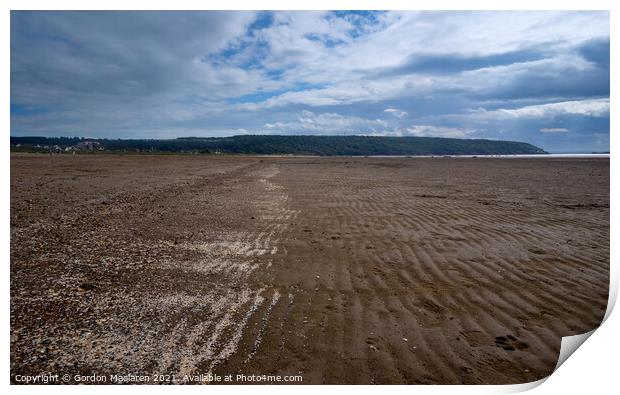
(341, 270)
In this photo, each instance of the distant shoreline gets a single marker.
(283, 145)
(515, 156)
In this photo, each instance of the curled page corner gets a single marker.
(517, 388)
(569, 345)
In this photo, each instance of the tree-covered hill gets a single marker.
(299, 145)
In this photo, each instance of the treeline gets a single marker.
(299, 145)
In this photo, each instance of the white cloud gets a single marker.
(590, 107)
(395, 112)
(309, 122)
(275, 125)
(553, 130)
(437, 131)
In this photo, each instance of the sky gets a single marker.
(540, 77)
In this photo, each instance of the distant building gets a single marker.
(89, 145)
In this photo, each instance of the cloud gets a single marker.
(454, 62)
(592, 108)
(437, 131)
(308, 122)
(596, 51)
(275, 125)
(212, 73)
(395, 112)
(553, 130)
(126, 55)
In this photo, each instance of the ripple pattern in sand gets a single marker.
(400, 280)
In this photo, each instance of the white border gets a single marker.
(594, 366)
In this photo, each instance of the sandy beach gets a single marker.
(338, 270)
